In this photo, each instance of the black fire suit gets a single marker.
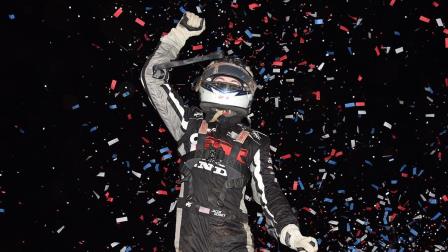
(206, 221)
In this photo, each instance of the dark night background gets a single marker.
(387, 193)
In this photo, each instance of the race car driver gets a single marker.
(220, 155)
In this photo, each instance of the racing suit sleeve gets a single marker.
(161, 95)
(268, 194)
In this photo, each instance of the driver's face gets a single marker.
(227, 79)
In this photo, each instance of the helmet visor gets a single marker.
(226, 87)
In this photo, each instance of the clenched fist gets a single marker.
(190, 25)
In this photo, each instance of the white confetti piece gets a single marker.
(439, 22)
(113, 141)
(60, 229)
(114, 244)
(101, 174)
(137, 174)
(387, 125)
(399, 50)
(152, 200)
(122, 219)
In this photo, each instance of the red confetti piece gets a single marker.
(360, 104)
(230, 25)
(343, 28)
(129, 116)
(253, 6)
(113, 84)
(377, 51)
(404, 174)
(401, 208)
(162, 130)
(297, 154)
(140, 22)
(277, 63)
(339, 153)
(284, 57)
(286, 156)
(359, 77)
(118, 12)
(446, 42)
(146, 140)
(162, 192)
(197, 47)
(265, 19)
(234, 5)
(294, 186)
(392, 2)
(445, 31)
(301, 40)
(435, 4)
(141, 217)
(155, 221)
(317, 94)
(424, 19)
(445, 197)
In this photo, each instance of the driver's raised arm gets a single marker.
(164, 99)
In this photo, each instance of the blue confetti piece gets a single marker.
(309, 131)
(164, 149)
(182, 9)
(248, 33)
(372, 131)
(128, 249)
(260, 220)
(125, 94)
(148, 8)
(385, 237)
(352, 205)
(396, 33)
(262, 70)
(114, 156)
(318, 21)
(436, 216)
(385, 217)
(166, 156)
(401, 249)
(128, 165)
(329, 200)
(414, 171)
(394, 181)
(368, 162)
(76, 106)
(11, 16)
(375, 186)
(432, 201)
(93, 129)
(349, 105)
(347, 227)
(332, 162)
(333, 209)
(112, 106)
(2, 210)
(148, 165)
(349, 50)
(421, 172)
(157, 168)
(341, 191)
(301, 184)
(358, 241)
(415, 233)
(153, 160)
(402, 167)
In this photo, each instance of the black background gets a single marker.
(57, 54)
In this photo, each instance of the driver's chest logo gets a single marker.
(214, 168)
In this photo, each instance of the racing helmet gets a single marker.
(226, 96)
